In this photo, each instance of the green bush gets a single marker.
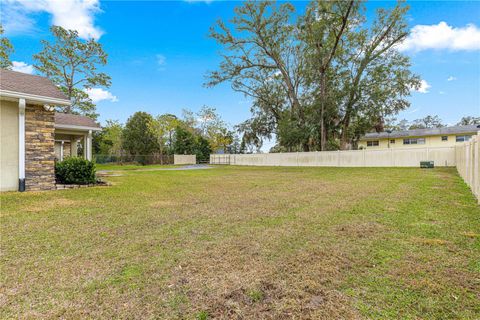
(75, 170)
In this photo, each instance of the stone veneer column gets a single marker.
(39, 148)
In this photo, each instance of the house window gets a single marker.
(373, 143)
(444, 138)
(414, 141)
(392, 141)
(463, 138)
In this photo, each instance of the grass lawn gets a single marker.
(245, 243)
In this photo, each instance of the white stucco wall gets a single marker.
(8, 145)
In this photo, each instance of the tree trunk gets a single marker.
(161, 154)
(344, 137)
(305, 146)
(323, 138)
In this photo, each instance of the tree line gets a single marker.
(427, 122)
(144, 136)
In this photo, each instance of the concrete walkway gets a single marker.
(188, 167)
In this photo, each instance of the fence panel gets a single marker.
(394, 157)
(467, 157)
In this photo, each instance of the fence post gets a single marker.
(467, 162)
(477, 166)
(475, 183)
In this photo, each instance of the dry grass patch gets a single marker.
(471, 234)
(431, 242)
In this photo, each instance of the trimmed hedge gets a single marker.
(75, 170)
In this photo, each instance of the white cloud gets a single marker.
(69, 14)
(451, 78)
(424, 86)
(22, 67)
(442, 36)
(99, 94)
(161, 61)
(441, 92)
(15, 20)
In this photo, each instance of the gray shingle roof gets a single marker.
(65, 119)
(29, 84)
(423, 132)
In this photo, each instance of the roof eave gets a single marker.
(393, 136)
(31, 98)
(76, 128)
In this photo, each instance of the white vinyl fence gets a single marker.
(184, 159)
(393, 157)
(467, 157)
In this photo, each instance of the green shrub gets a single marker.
(75, 171)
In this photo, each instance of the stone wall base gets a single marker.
(39, 148)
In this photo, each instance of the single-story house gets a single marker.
(33, 136)
(434, 137)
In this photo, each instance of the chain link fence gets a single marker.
(137, 159)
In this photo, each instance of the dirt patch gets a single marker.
(240, 284)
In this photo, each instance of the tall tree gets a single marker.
(185, 142)
(320, 82)
(202, 149)
(391, 124)
(427, 122)
(138, 138)
(223, 139)
(109, 140)
(468, 120)
(326, 27)
(163, 126)
(375, 77)
(6, 49)
(262, 51)
(253, 133)
(73, 64)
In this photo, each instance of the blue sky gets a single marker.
(159, 53)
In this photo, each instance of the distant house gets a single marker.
(32, 135)
(435, 137)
